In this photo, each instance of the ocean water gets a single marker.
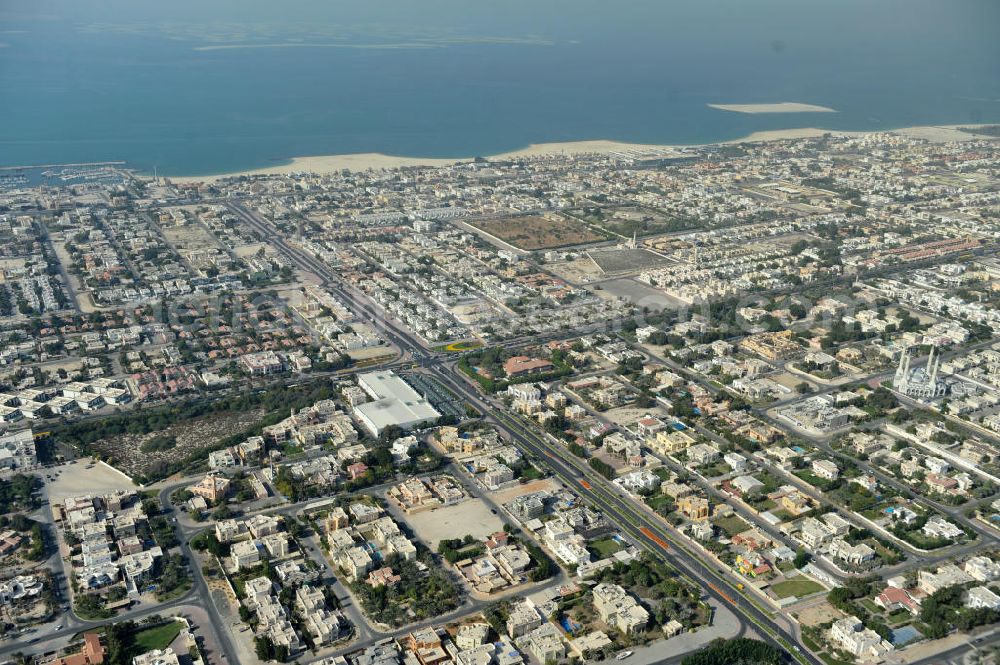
(210, 86)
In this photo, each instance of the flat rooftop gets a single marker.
(395, 402)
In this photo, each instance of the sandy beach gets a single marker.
(780, 107)
(323, 164)
(329, 164)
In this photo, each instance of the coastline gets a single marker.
(779, 107)
(326, 164)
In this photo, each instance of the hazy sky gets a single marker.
(758, 19)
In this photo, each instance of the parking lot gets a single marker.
(443, 399)
(84, 476)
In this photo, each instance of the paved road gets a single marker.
(200, 587)
(917, 557)
(526, 437)
(644, 529)
(635, 520)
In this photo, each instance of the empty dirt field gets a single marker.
(470, 517)
(82, 477)
(818, 613)
(511, 493)
(538, 232)
(613, 261)
(628, 416)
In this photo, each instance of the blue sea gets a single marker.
(210, 86)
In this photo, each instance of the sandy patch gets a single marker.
(943, 134)
(790, 380)
(628, 416)
(817, 614)
(243, 251)
(330, 164)
(639, 294)
(374, 161)
(76, 479)
(11, 264)
(471, 516)
(507, 495)
(576, 271)
(369, 354)
(598, 147)
(533, 232)
(780, 107)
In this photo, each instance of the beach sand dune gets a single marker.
(780, 107)
(323, 164)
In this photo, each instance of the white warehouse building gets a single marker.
(395, 403)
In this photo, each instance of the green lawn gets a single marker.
(656, 502)
(797, 588)
(158, 637)
(870, 605)
(899, 618)
(783, 515)
(732, 525)
(713, 470)
(604, 547)
(814, 480)
(765, 504)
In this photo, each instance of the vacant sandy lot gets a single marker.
(622, 261)
(817, 614)
(780, 107)
(577, 271)
(639, 294)
(243, 251)
(628, 416)
(538, 232)
(507, 495)
(75, 479)
(12, 264)
(471, 517)
(789, 380)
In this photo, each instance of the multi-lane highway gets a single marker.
(634, 519)
(644, 527)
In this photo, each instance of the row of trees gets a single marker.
(944, 608)
(741, 651)
(602, 467)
